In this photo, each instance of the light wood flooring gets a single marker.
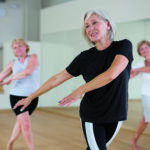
(59, 129)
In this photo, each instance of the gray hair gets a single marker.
(103, 15)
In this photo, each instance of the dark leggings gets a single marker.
(99, 136)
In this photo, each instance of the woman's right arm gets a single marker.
(7, 71)
(136, 71)
(48, 85)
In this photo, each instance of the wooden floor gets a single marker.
(60, 130)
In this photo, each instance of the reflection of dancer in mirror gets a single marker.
(106, 70)
(24, 74)
(144, 69)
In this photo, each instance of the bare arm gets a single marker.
(135, 72)
(119, 64)
(7, 71)
(48, 85)
(52, 83)
(32, 64)
(145, 69)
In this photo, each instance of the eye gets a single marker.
(94, 22)
(86, 26)
(147, 47)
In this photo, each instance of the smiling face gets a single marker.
(145, 50)
(20, 49)
(96, 28)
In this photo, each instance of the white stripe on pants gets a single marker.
(91, 137)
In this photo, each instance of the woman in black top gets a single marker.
(106, 70)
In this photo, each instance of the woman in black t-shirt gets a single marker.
(106, 70)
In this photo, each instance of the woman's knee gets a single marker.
(24, 121)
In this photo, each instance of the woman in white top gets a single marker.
(143, 68)
(24, 73)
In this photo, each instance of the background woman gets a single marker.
(143, 68)
(24, 73)
(106, 70)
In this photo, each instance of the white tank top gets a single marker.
(145, 90)
(26, 86)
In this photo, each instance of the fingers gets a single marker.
(4, 83)
(69, 103)
(60, 103)
(22, 109)
(65, 101)
(16, 105)
(19, 103)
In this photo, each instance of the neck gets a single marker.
(21, 59)
(103, 44)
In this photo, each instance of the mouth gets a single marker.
(94, 34)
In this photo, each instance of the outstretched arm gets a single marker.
(145, 69)
(48, 85)
(7, 71)
(135, 72)
(32, 64)
(119, 64)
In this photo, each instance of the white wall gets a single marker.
(49, 3)
(1, 58)
(7, 57)
(11, 25)
(32, 19)
(22, 19)
(69, 16)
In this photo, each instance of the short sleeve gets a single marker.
(125, 48)
(74, 67)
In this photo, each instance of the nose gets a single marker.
(91, 27)
(144, 49)
(17, 49)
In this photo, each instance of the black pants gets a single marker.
(14, 99)
(99, 136)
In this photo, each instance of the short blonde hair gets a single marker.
(102, 15)
(21, 41)
(140, 44)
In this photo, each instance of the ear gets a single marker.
(108, 25)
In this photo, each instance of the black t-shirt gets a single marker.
(110, 102)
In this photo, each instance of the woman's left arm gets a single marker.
(119, 64)
(145, 69)
(31, 66)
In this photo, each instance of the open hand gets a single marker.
(74, 96)
(134, 72)
(25, 102)
(6, 82)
